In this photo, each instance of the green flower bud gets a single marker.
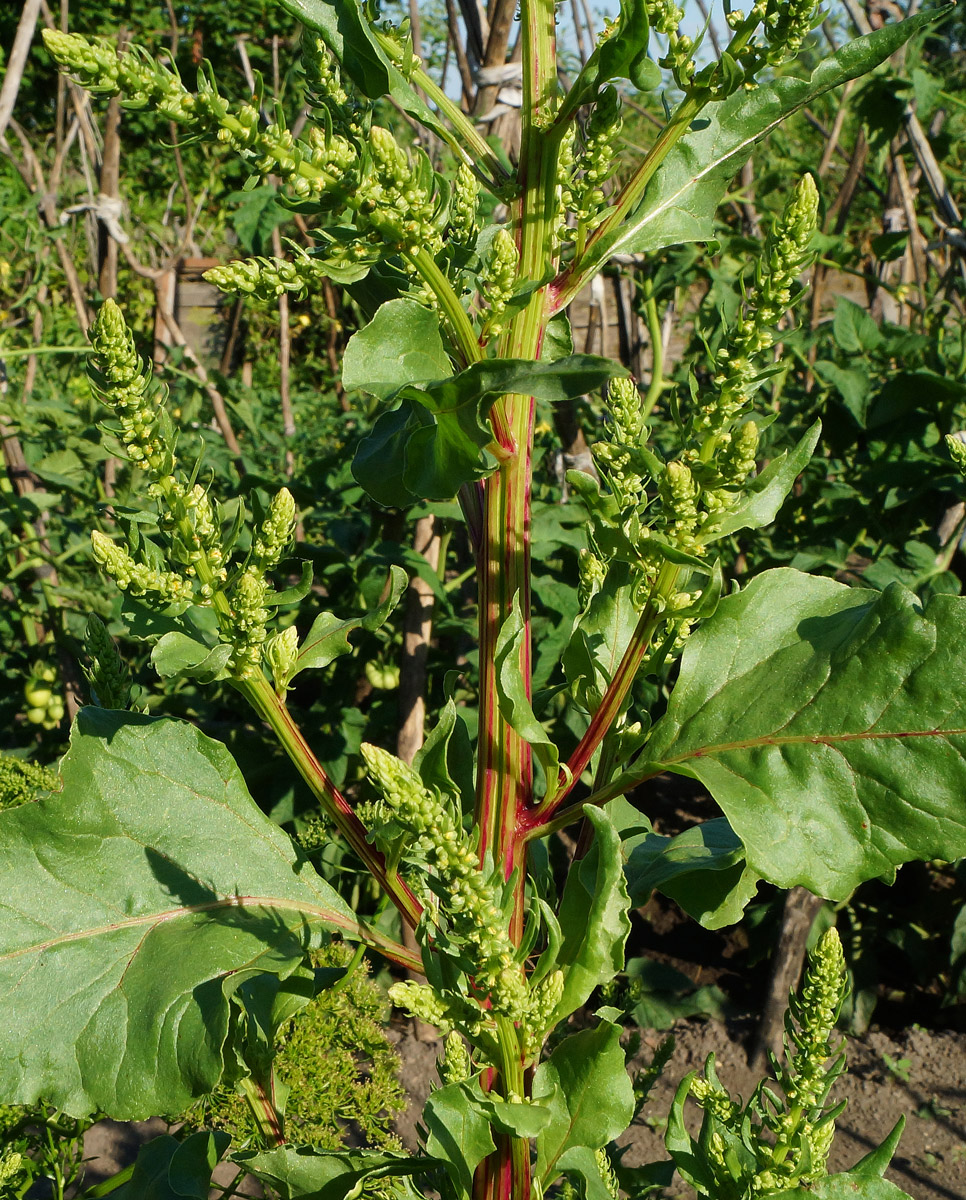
(273, 537)
(107, 675)
(422, 1002)
(626, 411)
(956, 445)
(281, 654)
(498, 280)
(464, 205)
(787, 23)
(786, 254)
(163, 587)
(737, 460)
(716, 1101)
(455, 1066)
(247, 622)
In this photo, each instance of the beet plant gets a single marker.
(158, 927)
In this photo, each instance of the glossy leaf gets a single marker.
(515, 706)
(703, 869)
(830, 725)
(169, 1169)
(135, 903)
(400, 345)
(682, 198)
(593, 917)
(435, 439)
(764, 495)
(310, 1174)
(329, 636)
(585, 1085)
(458, 1133)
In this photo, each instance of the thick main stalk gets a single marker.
(505, 779)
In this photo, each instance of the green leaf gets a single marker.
(346, 31)
(167, 1169)
(178, 654)
(853, 385)
(621, 55)
(445, 759)
(593, 917)
(515, 707)
(830, 725)
(135, 902)
(764, 495)
(400, 345)
(585, 1085)
(703, 869)
(848, 1186)
(854, 329)
(257, 215)
(525, 1120)
(601, 637)
(329, 636)
(877, 1161)
(682, 198)
(458, 1133)
(435, 440)
(308, 1174)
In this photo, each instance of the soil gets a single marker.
(927, 1085)
(897, 1068)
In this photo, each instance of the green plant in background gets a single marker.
(165, 927)
(357, 1092)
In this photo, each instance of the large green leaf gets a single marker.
(435, 439)
(703, 869)
(682, 198)
(400, 345)
(830, 725)
(166, 1169)
(134, 903)
(585, 1085)
(458, 1133)
(305, 1173)
(846, 1187)
(593, 917)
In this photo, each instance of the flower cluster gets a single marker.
(322, 166)
(582, 175)
(664, 16)
(470, 899)
(786, 254)
(785, 1139)
(193, 567)
(107, 675)
(396, 201)
(464, 207)
(497, 281)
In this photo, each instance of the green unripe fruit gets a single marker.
(37, 694)
(36, 716)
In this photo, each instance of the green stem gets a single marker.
(469, 145)
(263, 699)
(615, 696)
(584, 267)
(457, 319)
(656, 385)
